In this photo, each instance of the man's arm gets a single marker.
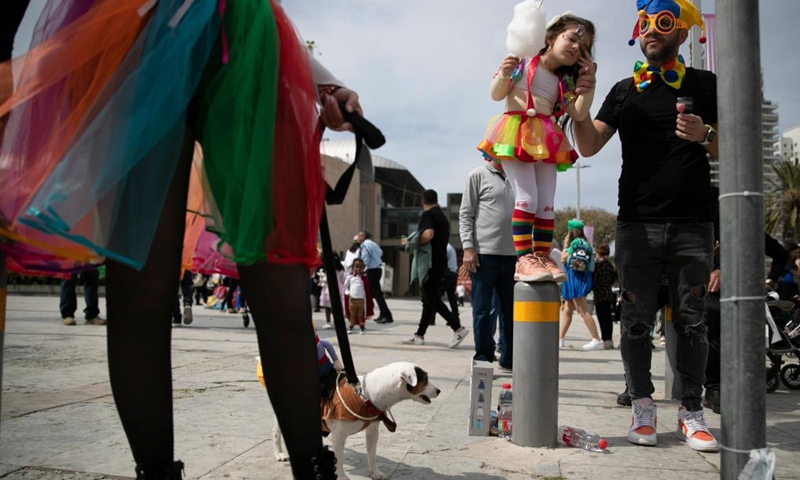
(426, 236)
(592, 135)
(713, 147)
(466, 222)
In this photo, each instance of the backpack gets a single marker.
(580, 260)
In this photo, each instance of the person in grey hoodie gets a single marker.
(489, 257)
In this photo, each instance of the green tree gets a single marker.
(784, 212)
(603, 221)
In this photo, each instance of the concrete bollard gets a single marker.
(535, 377)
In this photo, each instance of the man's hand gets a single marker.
(691, 127)
(331, 114)
(471, 260)
(337, 365)
(713, 282)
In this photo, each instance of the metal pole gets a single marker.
(742, 238)
(578, 168)
(535, 364)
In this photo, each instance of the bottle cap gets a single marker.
(602, 444)
(506, 386)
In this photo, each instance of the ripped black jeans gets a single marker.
(683, 252)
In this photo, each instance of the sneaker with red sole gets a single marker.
(530, 269)
(643, 422)
(692, 427)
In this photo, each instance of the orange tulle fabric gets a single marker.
(57, 88)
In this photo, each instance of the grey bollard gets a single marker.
(535, 374)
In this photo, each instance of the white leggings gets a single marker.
(534, 187)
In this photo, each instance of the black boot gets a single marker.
(172, 472)
(711, 399)
(624, 398)
(324, 466)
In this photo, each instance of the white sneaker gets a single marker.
(458, 337)
(643, 422)
(415, 340)
(562, 343)
(595, 344)
(327, 326)
(692, 427)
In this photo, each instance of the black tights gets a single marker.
(139, 342)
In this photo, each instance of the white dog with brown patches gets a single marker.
(350, 411)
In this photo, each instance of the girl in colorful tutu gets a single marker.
(96, 162)
(529, 140)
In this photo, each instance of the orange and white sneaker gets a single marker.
(692, 427)
(643, 423)
(558, 274)
(530, 269)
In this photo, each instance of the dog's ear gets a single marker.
(409, 375)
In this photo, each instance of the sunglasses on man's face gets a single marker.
(662, 22)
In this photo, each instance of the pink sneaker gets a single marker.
(530, 269)
(558, 274)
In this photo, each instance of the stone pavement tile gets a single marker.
(668, 472)
(17, 404)
(445, 467)
(34, 439)
(254, 464)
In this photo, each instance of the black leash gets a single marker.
(367, 133)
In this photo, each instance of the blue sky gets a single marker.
(423, 69)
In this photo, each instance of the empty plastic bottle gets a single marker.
(504, 410)
(576, 437)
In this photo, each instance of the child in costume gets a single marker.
(529, 140)
(357, 297)
(329, 365)
(578, 283)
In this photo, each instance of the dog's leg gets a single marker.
(338, 436)
(372, 448)
(276, 444)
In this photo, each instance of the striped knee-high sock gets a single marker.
(522, 230)
(543, 235)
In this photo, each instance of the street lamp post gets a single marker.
(578, 168)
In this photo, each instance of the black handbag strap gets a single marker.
(367, 133)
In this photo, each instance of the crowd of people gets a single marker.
(664, 234)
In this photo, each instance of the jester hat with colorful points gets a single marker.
(665, 16)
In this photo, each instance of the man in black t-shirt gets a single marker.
(666, 116)
(434, 229)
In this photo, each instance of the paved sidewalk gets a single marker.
(59, 420)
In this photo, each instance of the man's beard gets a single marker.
(668, 51)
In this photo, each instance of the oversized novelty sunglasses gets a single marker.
(662, 22)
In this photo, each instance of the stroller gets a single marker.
(783, 319)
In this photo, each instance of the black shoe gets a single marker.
(172, 472)
(384, 320)
(177, 321)
(711, 400)
(323, 467)
(624, 398)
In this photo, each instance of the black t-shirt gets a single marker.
(435, 219)
(664, 178)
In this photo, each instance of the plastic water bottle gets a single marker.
(504, 409)
(576, 437)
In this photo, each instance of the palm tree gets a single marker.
(784, 211)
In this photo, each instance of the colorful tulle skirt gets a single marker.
(99, 121)
(516, 136)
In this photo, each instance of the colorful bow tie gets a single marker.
(671, 72)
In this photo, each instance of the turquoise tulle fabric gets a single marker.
(108, 190)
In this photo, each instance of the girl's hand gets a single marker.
(586, 75)
(507, 66)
